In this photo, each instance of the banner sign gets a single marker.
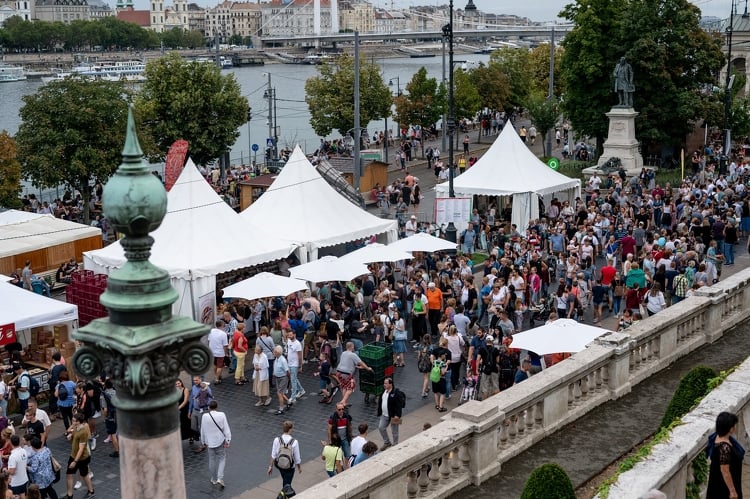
(175, 162)
(8, 334)
(456, 210)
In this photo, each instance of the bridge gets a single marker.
(473, 443)
(502, 32)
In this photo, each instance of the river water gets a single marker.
(293, 117)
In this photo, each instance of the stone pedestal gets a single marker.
(621, 142)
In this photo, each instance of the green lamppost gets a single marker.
(140, 346)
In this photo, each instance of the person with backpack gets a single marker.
(488, 364)
(54, 375)
(23, 386)
(390, 405)
(110, 417)
(440, 358)
(285, 456)
(65, 393)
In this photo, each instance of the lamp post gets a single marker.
(249, 140)
(450, 231)
(727, 92)
(141, 346)
(398, 92)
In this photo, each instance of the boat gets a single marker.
(130, 71)
(421, 56)
(11, 73)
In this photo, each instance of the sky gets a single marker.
(536, 10)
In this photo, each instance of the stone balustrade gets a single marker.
(669, 466)
(473, 441)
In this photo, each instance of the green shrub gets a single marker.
(693, 387)
(549, 481)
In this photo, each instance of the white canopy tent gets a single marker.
(200, 237)
(509, 168)
(562, 335)
(26, 309)
(308, 212)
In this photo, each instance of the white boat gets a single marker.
(130, 71)
(11, 73)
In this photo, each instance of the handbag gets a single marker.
(56, 467)
(219, 427)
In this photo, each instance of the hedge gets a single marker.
(692, 388)
(549, 481)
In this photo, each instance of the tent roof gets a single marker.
(509, 167)
(21, 232)
(307, 210)
(26, 309)
(201, 235)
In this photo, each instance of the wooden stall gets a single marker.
(251, 190)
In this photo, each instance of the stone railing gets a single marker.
(669, 466)
(471, 443)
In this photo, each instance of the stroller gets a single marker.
(540, 312)
(470, 390)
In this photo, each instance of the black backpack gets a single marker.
(34, 387)
(489, 365)
(400, 396)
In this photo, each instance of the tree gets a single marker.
(539, 65)
(516, 65)
(72, 133)
(544, 113)
(421, 106)
(330, 96)
(673, 61)
(591, 49)
(466, 99)
(10, 172)
(492, 84)
(191, 101)
(548, 481)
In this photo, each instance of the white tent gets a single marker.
(307, 211)
(200, 237)
(26, 309)
(509, 168)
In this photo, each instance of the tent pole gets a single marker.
(192, 297)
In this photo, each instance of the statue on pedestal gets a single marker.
(624, 85)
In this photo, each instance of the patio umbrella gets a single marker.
(264, 285)
(376, 252)
(422, 241)
(562, 335)
(329, 268)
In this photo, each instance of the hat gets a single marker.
(392, 305)
(413, 217)
(17, 366)
(430, 284)
(489, 337)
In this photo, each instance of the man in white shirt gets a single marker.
(359, 441)
(216, 435)
(411, 226)
(294, 359)
(19, 477)
(219, 346)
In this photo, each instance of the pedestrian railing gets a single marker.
(471, 443)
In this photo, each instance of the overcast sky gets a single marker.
(536, 10)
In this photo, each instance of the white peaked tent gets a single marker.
(200, 237)
(303, 208)
(509, 168)
(25, 309)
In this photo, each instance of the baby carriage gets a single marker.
(470, 390)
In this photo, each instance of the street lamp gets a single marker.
(398, 92)
(727, 92)
(450, 231)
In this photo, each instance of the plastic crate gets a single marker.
(371, 388)
(377, 350)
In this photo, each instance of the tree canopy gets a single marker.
(191, 101)
(673, 59)
(422, 105)
(10, 172)
(330, 96)
(71, 134)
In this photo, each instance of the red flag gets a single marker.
(175, 162)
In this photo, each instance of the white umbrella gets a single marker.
(562, 335)
(5, 278)
(377, 252)
(422, 241)
(264, 285)
(329, 268)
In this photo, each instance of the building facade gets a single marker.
(64, 11)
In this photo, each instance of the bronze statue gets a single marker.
(624, 83)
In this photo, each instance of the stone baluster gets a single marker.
(411, 484)
(521, 425)
(598, 379)
(512, 428)
(644, 352)
(445, 466)
(657, 349)
(464, 456)
(632, 359)
(455, 461)
(434, 474)
(503, 433)
(423, 481)
(577, 392)
(539, 414)
(585, 386)
(530, 418)
(605, 375)
(571, 398)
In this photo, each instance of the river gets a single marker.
(293, 117)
